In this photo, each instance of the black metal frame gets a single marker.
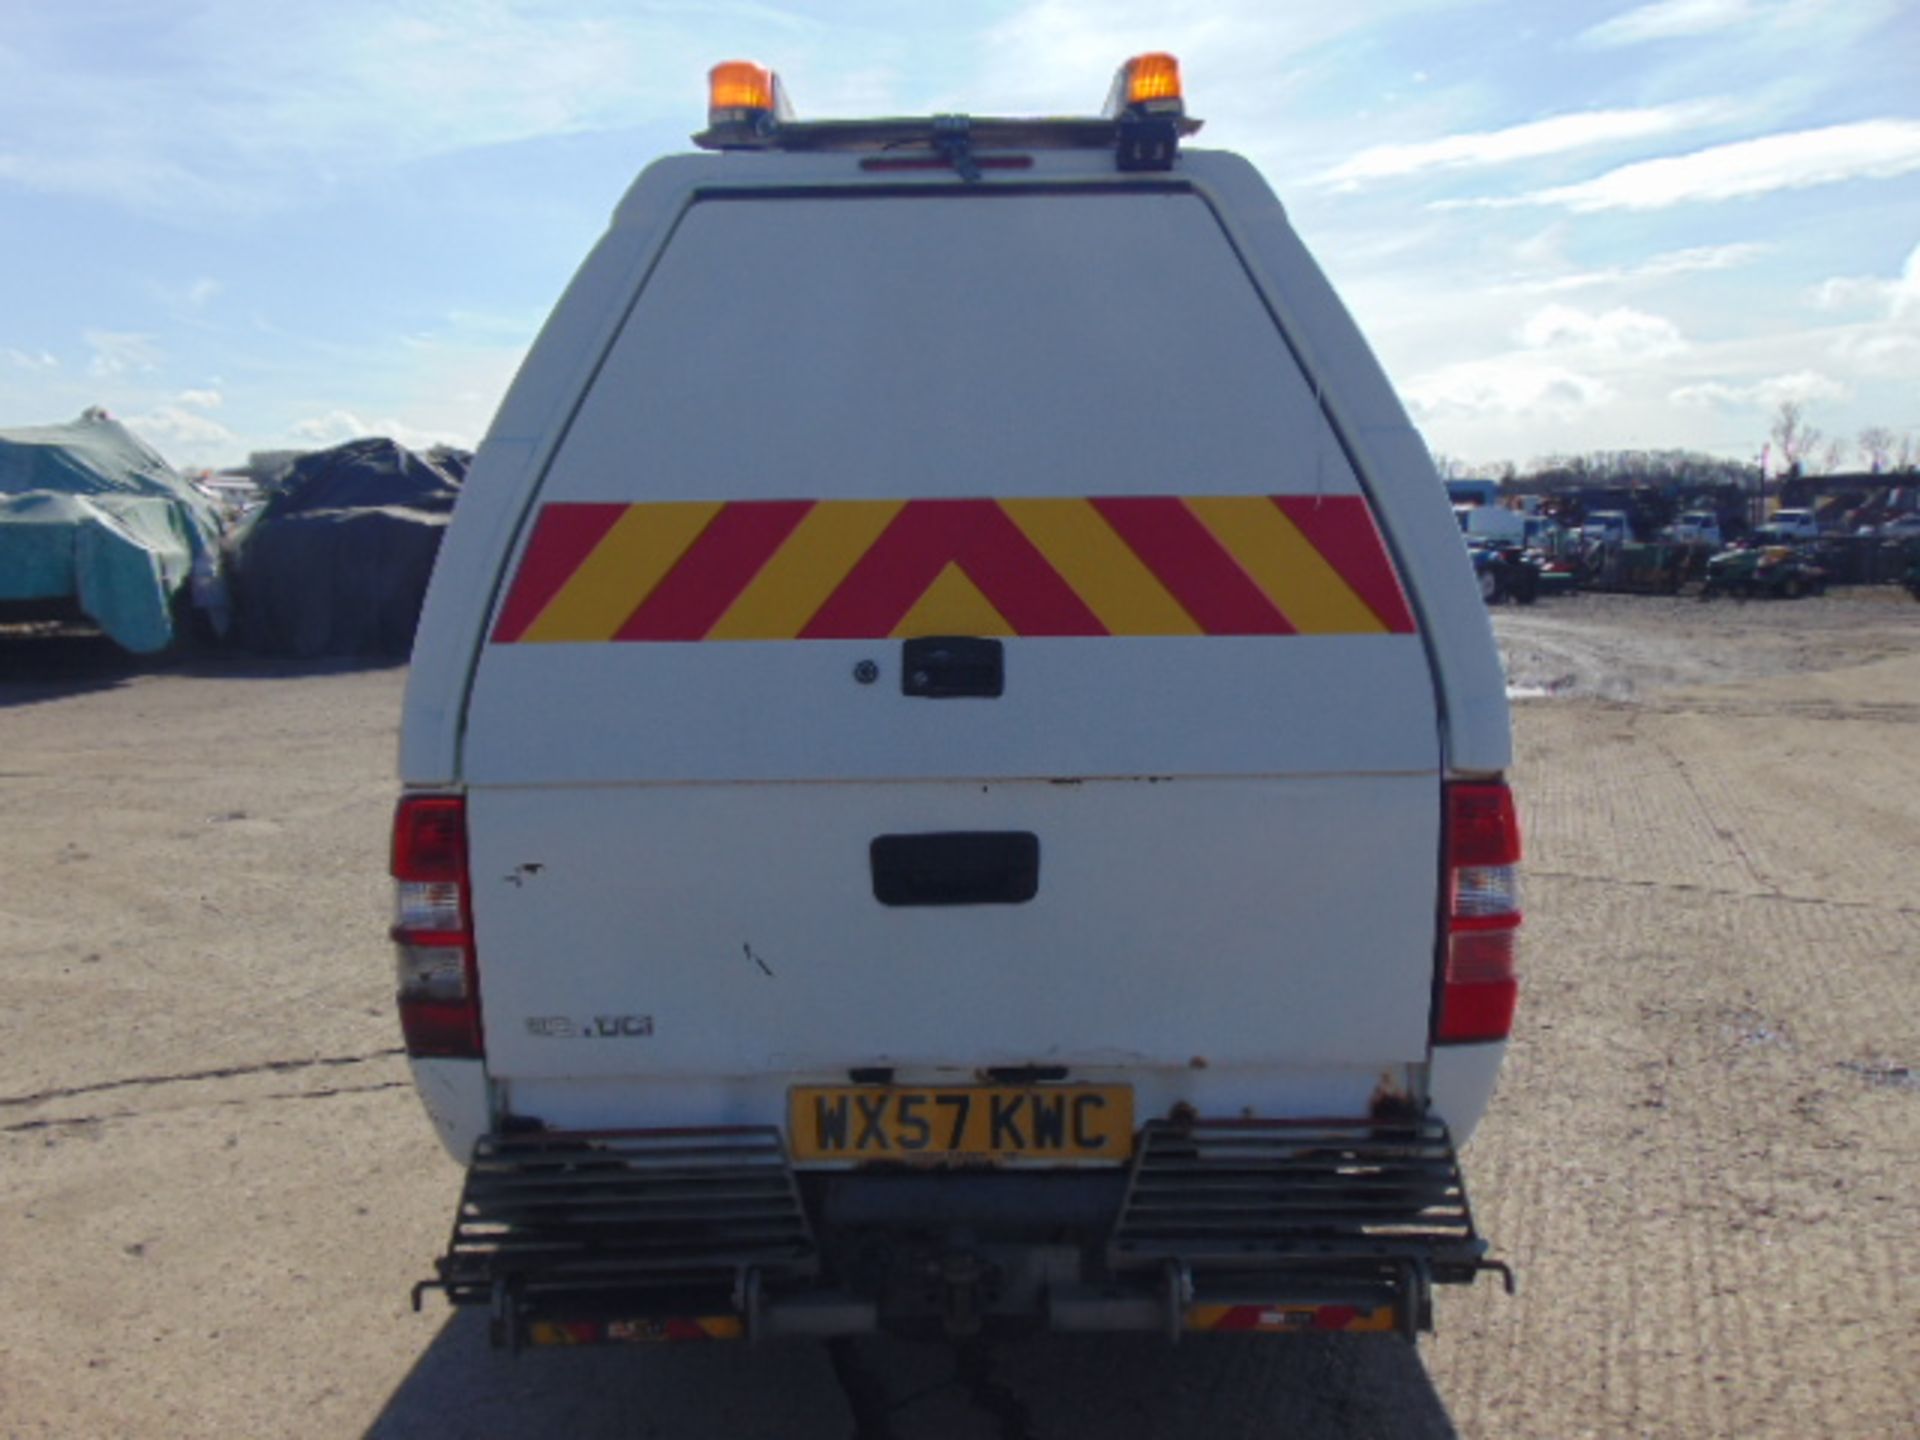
(552, 1225)
(565, 1226)
(1139, 141)
(1335, 1211)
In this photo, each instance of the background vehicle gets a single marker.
(1491, 523)
(1697, 527)
(1792, 526)
(850, 877)
(1607, 527)
(1778, 570)
(1505, 571)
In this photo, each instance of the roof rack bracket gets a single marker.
(1146, 142)
(953, 138)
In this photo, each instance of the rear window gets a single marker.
(949, 345)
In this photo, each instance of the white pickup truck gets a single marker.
(953, 765)
(1697, 527)
(1792, 527)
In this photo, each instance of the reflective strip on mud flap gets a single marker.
(1280, 1319)
(876, 569)
(636, 1332)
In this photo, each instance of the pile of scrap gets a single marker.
(336, 562)
(95, 526)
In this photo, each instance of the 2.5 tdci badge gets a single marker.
(600, 1027)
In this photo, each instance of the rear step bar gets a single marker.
(1332, 1224)
(567, 1235)
(1226, 1225)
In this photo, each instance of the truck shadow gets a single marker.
(38, 667)
(1113, 1387)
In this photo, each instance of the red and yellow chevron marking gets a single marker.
(873, 569)
(1280, 1319)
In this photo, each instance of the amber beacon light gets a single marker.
(1148, 83)
(744, 94)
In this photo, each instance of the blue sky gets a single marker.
(243, 224)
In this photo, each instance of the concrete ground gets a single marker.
(216, 1185)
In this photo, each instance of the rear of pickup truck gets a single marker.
(950, 784)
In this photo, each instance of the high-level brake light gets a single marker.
(439, 982)
(1478, 988)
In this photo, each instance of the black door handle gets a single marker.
(944, 667)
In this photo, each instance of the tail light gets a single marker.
(1478, 988)
(433, 928)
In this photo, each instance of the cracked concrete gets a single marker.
(1680, 887)
(228, 1072)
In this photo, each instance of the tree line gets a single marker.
(1795, 447)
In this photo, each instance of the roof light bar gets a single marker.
(1142, 123)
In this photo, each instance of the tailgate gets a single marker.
(1193, 922)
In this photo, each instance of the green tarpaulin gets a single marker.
(90, 514)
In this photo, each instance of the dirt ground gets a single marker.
(216, 1185)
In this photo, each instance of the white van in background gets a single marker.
(954, 764)
(1492, 523)
(1793, 527)
(1697, 527)
(1606, 527)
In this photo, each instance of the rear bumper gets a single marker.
(1253, 1226)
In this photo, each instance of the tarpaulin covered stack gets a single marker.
(93, 519)
(337, 561)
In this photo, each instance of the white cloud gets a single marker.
(166, 426)
(1848, 292)
(1900, 295)
(201, 399)
(1885, 345)
(1793, 160)
(1802, 385)
(1519, 385)
(1242, 60)
(1567, 365)
(1620, 333)
(118, 353)
(1879, 352)
(190, 298)
(1693, 260)
(1667, 20)
(333, 428)
(21, 360)
(336, 427)
(258, 104)
(1536, 138)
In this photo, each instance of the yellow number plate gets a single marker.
(935, 1125)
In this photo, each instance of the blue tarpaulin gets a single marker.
(337, 561)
